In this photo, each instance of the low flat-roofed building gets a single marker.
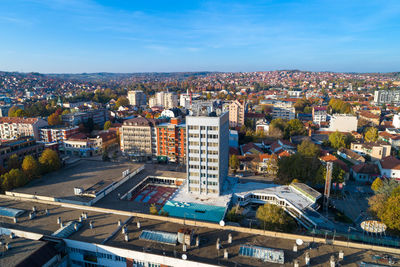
(82, 146)
(297, 199)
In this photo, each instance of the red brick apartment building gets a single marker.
(171, 141)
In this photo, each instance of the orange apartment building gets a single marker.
(171, 141)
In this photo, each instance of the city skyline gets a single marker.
(113, 36)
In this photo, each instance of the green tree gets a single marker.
(14, 178)
(377, 184)
(234, 162)
(294, 127)
(30, 167)
(337, 140)
(107, 125)
(234, 214)
(273, 217)
(377, 204)
(49, 161)
(371, 135)
(391, 213)
(153, 209)
(54, 119)
(13, 162)
(122, 102)
(20, 113)
(89, 124)
(308, 149)
(278, 124)
(12, 110)
(296, 166)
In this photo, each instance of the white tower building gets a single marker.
(207, 153)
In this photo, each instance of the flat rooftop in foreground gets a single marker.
(106, 223)
(84, 174)
(207, 252)
(22, 249)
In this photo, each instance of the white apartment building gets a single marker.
(137, 98)
(14, 127)
(343, 123)
(387, 97)
(165, 99)
(207, 153)
(319, 114)
(396, 121)
(284, 110)
(184, 100)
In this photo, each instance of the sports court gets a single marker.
(153, 194)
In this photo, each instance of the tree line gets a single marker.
(20, 173)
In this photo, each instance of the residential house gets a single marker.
(392, 139)
(365, 172)
(368, 116)
(376, 150)
(390, 167)
(350, 155)
(262, 126)
(250, 148)
(283, 148)
(268, 164)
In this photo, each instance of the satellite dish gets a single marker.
(184, 257)
(299, 242)
(222, 223)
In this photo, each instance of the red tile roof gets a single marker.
(18, 120)
(390, 163)
(367, 168)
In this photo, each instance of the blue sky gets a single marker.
(54, 36)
